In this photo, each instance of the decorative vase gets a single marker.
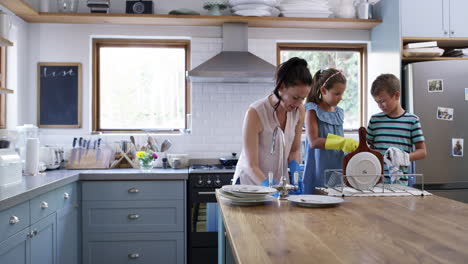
(346, 9)
(214, 8)
(146, 166)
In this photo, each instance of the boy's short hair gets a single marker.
(386, 82)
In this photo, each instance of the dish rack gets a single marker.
(334, 185)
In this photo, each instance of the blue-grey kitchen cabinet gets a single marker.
(43, 230)
(133, 222)
(69, 225)
(434, 18)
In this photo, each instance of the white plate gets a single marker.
(248, 189)
(361, 164)
(310, 200)
(257, 201)
(295, 14)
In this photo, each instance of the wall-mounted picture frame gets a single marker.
(59, 95)
(457, 147)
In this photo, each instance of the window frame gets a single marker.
(359, 47)
(3, 72)
(154, 43)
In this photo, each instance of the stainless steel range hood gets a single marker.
(234, 64)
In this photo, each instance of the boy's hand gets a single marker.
(341, 143)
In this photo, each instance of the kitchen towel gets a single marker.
(32, 157)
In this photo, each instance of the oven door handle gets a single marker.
(206, 193)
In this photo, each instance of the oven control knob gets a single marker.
(200, 181)
(208, 182)
(218, 182)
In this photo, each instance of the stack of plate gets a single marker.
(305, 8)
(309, 200)
(254, 7)
(247, 194)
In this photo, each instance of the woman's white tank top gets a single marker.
(268, 162)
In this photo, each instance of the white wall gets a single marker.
(217, 109)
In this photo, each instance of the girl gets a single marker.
(283, 109)
(325, 143)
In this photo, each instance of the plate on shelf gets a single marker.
(311, 200)
(360, 165)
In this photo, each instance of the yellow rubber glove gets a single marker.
(341, 143)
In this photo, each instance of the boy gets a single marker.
(394, 128)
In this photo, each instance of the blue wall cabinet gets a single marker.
(44, 241)
(16, 248)
(434, 18)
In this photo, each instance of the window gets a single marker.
(3, 85)
(350, 58)
(140, 85)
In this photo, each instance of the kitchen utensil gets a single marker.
(73, 151)
(98, 153)
(80, 145)
(184, 160)
(151, 144)
(132, 139)
(361, 163)
(309, 200)
(165, 145)
(229, 161)
(87, 146)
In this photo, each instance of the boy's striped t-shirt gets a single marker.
(400, 132)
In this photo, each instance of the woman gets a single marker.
(284, 109)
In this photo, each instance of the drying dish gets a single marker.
(307, 200)
(363, 167)
(360, 165)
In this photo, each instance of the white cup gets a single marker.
(5, 25)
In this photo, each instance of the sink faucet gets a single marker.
(283, 186)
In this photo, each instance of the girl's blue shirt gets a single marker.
(319, 160)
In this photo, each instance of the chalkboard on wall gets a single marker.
(59, 95)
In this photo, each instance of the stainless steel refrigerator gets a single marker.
(431, 89)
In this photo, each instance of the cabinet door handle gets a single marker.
(66, 196)
(133, 216)
(445, 32)
(44, 205)
(34, 232)
(452, 32)
(133, 190)
(14, 220)
(133, 255)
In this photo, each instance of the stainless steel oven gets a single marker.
(202, 216)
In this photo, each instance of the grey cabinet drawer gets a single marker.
(132, 190)
(133, 216)
(68, 196)
(43, 205)
(142, 248)
(13, 220)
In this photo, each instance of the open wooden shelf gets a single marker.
(5, 42)
(26, 12)
(443, 43)
(5, 91)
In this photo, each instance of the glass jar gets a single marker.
(67, 6)
(146, 166)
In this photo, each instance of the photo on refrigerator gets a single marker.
(445, 113)
(457, 147)
(435, 86)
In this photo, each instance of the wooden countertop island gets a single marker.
(428, 229)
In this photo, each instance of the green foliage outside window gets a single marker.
(349, 63)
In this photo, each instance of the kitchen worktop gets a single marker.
(428, 229)
(32, 186)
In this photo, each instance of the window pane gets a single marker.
(142, 88)
(349, 63)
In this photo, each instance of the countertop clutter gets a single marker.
(32, 186)
(427, 229)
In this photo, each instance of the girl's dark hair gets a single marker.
(327, 79)
(291, 73)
